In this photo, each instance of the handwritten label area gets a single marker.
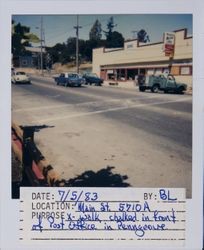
(145, 216)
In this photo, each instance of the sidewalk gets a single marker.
(130, 85)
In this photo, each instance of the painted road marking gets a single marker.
(76, 115)
(84, 104)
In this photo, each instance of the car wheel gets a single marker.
(180, 91)
(155, 88)
(142, 88)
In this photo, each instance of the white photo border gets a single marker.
(9, 207)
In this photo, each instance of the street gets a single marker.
(146, 137)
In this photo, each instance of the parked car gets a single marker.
(69, 80)
(93, 78)
(161, 82)
(19, 77)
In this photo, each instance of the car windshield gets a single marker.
(20, 73)
(74, 75)
(171, 78)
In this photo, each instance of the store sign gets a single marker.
(169, 43)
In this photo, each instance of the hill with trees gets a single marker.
(66, 52)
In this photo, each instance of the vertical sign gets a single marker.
(169, 43)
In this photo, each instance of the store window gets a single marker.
(132, 74)
(120, 75)
(150, 71)
(185, 70)
(110, 74)
(158, 71)
(175, 70)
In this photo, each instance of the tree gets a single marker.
(18, 39)
(21, 37)
(110, 25)
(95, 32)
(142, 36)
(114, 40)
(58, 52)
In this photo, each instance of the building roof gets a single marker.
(35, 49)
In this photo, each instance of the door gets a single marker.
(62, 79)
(171, 83)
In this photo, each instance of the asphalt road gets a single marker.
(145, 137)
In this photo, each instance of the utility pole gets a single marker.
(41, 45)
(77, 43)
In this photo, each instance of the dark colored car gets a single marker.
(70, 80)
(92, 78)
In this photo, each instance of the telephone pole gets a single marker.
(77, 27)
(41, 45)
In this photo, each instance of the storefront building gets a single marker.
(125, 64)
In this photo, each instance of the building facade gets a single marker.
(33, 60)
(125, 64)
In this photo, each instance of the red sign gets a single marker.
(169, 41)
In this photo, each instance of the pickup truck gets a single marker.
(160, 82)
(70, 80)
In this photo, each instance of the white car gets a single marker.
(19, 77)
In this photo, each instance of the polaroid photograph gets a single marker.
(102, 124)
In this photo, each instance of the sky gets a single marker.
(58, 28)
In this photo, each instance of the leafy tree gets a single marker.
(110, 25)
(66, 52)
(142, 36)
(57, 52)
(21, 37)
(18, 39)
(95, 32)
(90, 44)
(21, 30)
(114, 40)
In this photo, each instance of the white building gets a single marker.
(124, 64)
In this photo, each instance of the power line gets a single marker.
(63, 33)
